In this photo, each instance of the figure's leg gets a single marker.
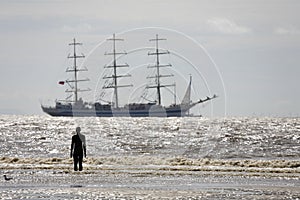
(80, 162)
(75, 162)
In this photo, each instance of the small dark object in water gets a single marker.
(76, 186)
(6, 178)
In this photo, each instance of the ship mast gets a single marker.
(75, 69)
(157, 65)
(115, 75)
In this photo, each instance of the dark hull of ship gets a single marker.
(175, 111)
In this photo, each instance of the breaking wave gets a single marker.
(158, 163)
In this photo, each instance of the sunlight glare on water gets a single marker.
(183, 158)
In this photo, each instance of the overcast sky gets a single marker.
(250, 48)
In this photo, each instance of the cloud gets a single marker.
(226, 26)
(287, 31)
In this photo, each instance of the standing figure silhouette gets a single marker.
(78, 149)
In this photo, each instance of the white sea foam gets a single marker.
(151, 162)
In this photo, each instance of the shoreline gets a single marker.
(120, 183)
(147, 181)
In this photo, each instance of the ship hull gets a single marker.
(163, 112)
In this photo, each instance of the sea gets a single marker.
(151, 158)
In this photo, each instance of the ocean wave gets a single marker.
(197, 142)
(157, 163)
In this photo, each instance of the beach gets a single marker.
(151, 158)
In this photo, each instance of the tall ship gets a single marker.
(74, 105)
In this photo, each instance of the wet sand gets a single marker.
(146, 182)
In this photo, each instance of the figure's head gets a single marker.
(78, 129)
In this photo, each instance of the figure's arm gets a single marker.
(84, 147)
(84, 150)
(72, 146)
